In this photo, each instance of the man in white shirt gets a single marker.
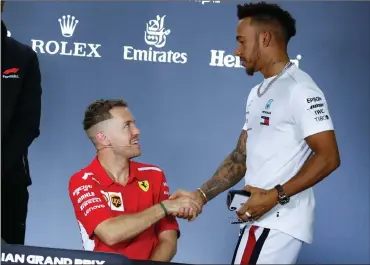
(287, 144)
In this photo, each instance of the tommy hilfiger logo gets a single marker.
(11, 73)
(265, 120)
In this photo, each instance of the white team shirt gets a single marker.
(277, 124)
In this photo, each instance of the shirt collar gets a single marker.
(102, 176)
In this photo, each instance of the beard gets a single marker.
(127, 152)
(250, 70)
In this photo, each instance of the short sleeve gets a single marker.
(169, 222)
(89, 204)
(247, 108)
(310, 110)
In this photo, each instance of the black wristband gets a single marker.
(164, 209)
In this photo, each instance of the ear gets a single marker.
(266, 38)
(100, 137)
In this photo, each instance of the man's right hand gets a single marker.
(184, 207)
(196, 197)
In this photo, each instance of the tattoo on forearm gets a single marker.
(230, 172)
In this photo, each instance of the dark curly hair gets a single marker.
(99, 111)
(269, 14)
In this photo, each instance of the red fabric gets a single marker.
(250, 246)
(169, 222)
(96, 198)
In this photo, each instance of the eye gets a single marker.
(127, 125)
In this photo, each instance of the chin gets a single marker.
(136, 154)
(250, 70)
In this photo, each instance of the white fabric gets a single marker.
(278, 248)
(87, 243)
(296, 108)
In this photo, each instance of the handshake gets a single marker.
(185, 204)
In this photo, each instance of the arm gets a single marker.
(167, 230)
(94, 214)
(316, 127)
(322, 163)
(230, 172)
(125, 227)
(166, 248)
(25, 123)
(313, 124)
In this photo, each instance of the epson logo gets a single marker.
(314, 99)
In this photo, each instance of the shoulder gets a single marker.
(81, 177)
(252, 94)
(22, 50)
(303, 88)
(301, 79)
(148, 170)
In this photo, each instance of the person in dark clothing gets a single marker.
(20, 122)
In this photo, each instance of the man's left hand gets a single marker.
(260, 202)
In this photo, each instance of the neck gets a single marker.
(274, 65)
(117, 168)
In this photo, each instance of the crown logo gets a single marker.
(296, 61)
(67, 25)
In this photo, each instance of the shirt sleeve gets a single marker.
(310, 110)
(90, 206)
(169, 222)
(247, 108)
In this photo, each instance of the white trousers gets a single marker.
(258, 245)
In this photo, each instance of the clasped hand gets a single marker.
(260, 202)
(185, 205)
(188, 205)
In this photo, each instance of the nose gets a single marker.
(237, 52)
(135, 130)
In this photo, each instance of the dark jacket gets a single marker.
(20, 107)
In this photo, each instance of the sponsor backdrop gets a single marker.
(174, 64)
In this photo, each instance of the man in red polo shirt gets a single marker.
(123, 206)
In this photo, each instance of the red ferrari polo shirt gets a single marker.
(96, 198)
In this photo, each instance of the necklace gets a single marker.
(289, 64)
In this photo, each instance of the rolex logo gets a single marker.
(79, 48)
(67, 25)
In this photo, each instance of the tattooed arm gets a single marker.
(229, 173)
